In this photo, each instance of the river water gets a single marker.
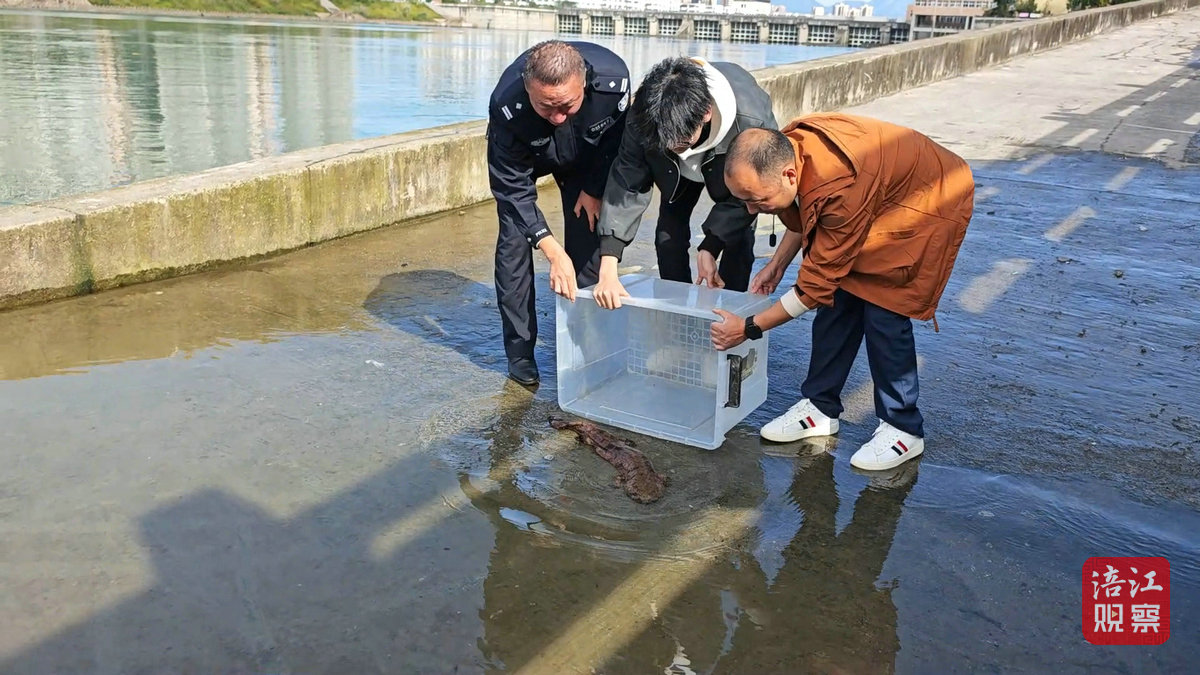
(91, 101)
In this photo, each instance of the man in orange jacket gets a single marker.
(880, 211)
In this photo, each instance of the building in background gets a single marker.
(749, 6)
(845, 9)
(933, 18)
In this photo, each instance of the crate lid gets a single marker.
(684, 298)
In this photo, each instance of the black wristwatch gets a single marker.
(753, 332)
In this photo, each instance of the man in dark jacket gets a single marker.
(685, 114)
(558, 109)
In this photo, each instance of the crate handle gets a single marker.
(733, 399)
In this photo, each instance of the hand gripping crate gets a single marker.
(650, 366)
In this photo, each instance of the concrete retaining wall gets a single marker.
(177, 225)
(853, 79)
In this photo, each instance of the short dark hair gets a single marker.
(764, 150)
(553, 62)
(671, 103)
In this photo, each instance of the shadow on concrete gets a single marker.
(372, 580)
(238, 590)
(1155, 121)
(1079, 270)
(453, 311)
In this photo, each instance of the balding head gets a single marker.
(553, 62)
(760, 170)
(555, 76)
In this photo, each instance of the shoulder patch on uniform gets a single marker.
(610, 84)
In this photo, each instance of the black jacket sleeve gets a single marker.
(626, 196)
(726, 223)
(510, 173)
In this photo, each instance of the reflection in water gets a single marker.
(313, 291)
(824, 612)
(555, 600)
(89, 102)
(265, 304)
(114, 112)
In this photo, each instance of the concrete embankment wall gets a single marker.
(181, 224)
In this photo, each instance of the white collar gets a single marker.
(724, 109)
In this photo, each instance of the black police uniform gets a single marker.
(522, 147)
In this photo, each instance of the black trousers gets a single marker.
(837, 333)
(674, 235)
(514, 270)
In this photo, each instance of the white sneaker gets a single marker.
(802, 420)
(889, 447)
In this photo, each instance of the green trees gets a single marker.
(1011, 8)
(1074, 5)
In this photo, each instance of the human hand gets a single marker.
(609, 291)
(767, 279)
(562, 276)
(706, 266)
(591, 206)
(729, 332)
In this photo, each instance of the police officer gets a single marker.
(558, 109)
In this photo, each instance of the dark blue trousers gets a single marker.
(514, 269)
(837, 333)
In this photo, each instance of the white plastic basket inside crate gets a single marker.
(650, 366)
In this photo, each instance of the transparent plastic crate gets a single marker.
(650, 366)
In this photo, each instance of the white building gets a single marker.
(749, 7)
(844, 9)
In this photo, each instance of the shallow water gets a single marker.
(314, 463)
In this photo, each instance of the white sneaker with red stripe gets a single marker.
(888, 448)
(802, 420)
